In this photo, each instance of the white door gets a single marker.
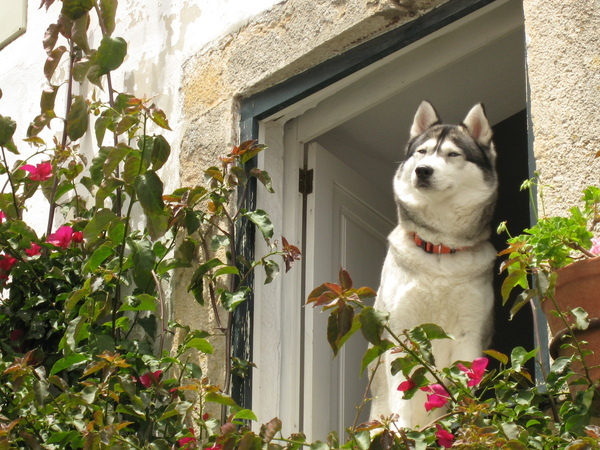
(348, 220)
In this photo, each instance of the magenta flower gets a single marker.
(39, 172)
(443, 436)
(2, 216)
(188, 441)
(77, 237)
(150, 378)
(595, 246)
(406, 385)
(437, 396)
(476, 372)
(62, 238)
(33, 250)
(7, 263)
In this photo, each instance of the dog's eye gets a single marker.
(422, 151)
(453, 154)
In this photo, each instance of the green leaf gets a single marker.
(74, 9)
(68, 361)
(79, 33)
(245, 414)
(263, 177)
(161, 150)
(230, 300)
(373, 353)
(98, 257)
(108, 10)
(497, 356)
(196, 285)
(149, 189)
(271, 270)
(81, 68)
(220, 398)
(514, 278)
(159, 118)
(7, 129)
(201, 345)
(519, 356)
(141, 302)
(48, 98)
(114, 158)
(433, 331)
(582, 320)
(77, 120)
(134, 166)
(372, 324)
(261, 219)
(251, 152)
(318, 445)
(99, 222)
(110, 55)
(143, 258)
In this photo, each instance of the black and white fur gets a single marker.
(445, 191)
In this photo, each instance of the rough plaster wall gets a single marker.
(563, 59)
(285, 40)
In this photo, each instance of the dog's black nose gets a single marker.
(424, 172)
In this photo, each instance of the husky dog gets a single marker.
(439, 264)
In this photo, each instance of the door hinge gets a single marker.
(305, 185)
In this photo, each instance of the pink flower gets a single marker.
(33, 250)
(40, 172)
(595, 246)
(2, 216)
(189, 440)
(444, 437)
(7, 263)
(62, 238)
(77, 237)
(150, 378)
(437, 396)
(476, 372)
(406, 385)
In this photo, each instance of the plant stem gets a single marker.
(63, 144)
(12, 186)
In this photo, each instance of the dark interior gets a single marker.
(510, 137)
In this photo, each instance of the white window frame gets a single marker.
(13, 20)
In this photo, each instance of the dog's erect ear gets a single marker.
(425, 118)
(478, 126)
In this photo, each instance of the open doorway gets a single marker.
(351, 136)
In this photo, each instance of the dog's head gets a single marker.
(444, 160)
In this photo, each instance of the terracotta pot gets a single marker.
(577, 284)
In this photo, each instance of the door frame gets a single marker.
(277, 331)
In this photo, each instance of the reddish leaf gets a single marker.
(345, 279)
(46, 3)
(50, 37)
(316, 293)
(269, 430)
(53, 60)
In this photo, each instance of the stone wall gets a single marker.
(563, 66)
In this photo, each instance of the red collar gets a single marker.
(439, 249)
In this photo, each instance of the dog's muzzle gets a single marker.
(424, 175)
